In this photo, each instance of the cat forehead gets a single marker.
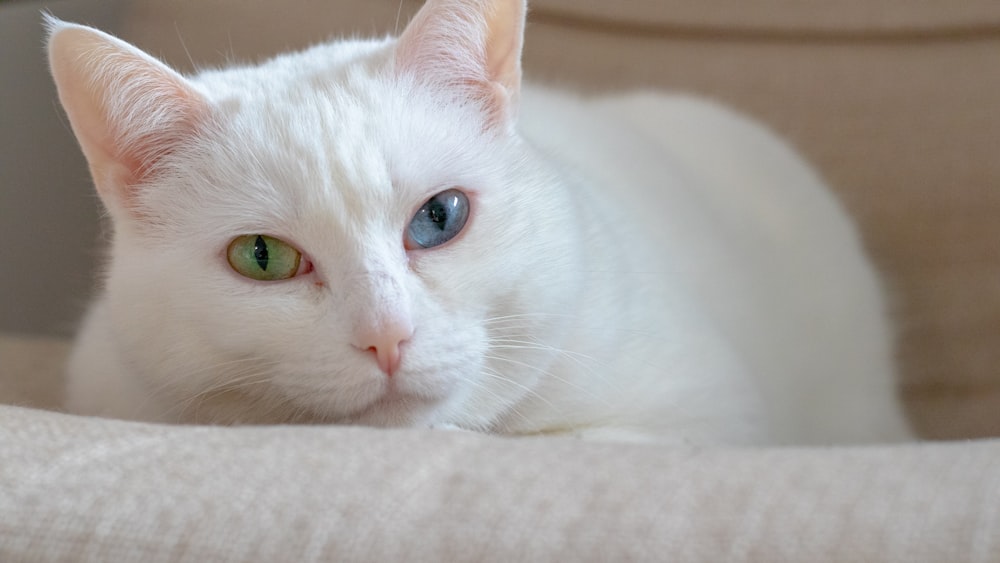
(287, 69)
(332, 129)
(340, 105)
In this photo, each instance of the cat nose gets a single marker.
(384, 342)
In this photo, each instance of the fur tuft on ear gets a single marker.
(470, 46)
(127, 109)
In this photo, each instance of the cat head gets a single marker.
(352, 233)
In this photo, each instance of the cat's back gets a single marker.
(755, 239)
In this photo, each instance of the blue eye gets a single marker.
(438, 221)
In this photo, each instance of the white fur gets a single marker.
(635, 267)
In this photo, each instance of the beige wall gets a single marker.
(48, 214)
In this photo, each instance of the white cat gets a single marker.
(397, 233)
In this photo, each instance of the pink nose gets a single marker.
(384, 341)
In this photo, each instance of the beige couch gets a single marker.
(897, 102)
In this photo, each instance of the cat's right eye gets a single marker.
(263, 258)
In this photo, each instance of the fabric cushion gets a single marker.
(87, 489)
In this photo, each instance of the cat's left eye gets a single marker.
(263, 258)
(439, 220)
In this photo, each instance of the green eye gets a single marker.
(263, 258)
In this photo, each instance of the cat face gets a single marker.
(343, 186)
(354, 233)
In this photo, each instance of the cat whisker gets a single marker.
(220, 367)
(585, 361)
(177, 29)
(236, 384)
(631, 332)
(506, 323)
(280, 410)
(230, 57)
(399, 13)
(546, 373)
(225, 376)
(577, 357)
(492, 373)
(529, 315)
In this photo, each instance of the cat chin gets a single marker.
(389, 410)
(397, 410)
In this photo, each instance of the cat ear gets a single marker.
(472, 46)
(127, 109)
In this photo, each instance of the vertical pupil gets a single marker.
(438, 214)
(260, 252)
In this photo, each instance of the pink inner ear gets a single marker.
(127, 109)
(504, 45)
(141, 146)
(427, 49)
(472, 48)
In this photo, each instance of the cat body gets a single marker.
(638, 267)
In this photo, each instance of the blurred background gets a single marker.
(896, 102)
